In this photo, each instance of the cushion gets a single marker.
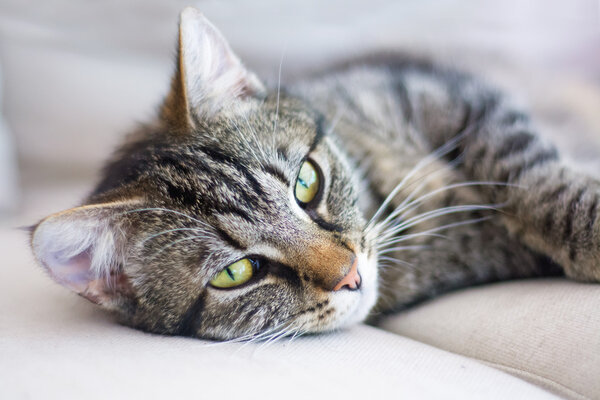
(545, 331)
(55, 345)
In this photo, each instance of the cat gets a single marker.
(245, 212)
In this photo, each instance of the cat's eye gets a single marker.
(307, 183)
(235, 274)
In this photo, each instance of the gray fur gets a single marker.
(213, 189)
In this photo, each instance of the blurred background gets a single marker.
(76, 75)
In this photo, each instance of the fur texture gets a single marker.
(430, 181)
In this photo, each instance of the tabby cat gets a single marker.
(246, 212)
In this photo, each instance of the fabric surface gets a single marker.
(54, 345)
(79, 74)
(544, 331)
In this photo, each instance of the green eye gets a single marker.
(307, 184)
(234, 275)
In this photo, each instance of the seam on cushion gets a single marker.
(548, 381)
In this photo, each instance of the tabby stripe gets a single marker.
(571, 208)
(465, 123)
(219, 157)
(574, 243)
(282, 153)
(225, 237)
(176, 192)
(285, 272)
(554, 193)
(276, 173)
(189, 197)
(549, 222)
(592, 213)
(540, 159)
(512, 117)
(189, 321)
(405, 104)
(572, 251)
(514, 144)
(320, 133)
(480, 153)
(328, 226)
(232, 209)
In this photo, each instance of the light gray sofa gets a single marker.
(78, 75)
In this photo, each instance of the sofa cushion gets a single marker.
(55, 345)
(545, 331)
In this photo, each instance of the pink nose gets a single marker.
(352, 280)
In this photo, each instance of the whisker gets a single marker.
(396, 239)
(166, 210)
(417, 219)
(406, 206)
(397, 261)
(179, 241)
(430, 232)
(278, 93)
(400, 248)
(171, 230)
(433, 156)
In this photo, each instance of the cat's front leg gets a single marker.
(550, 207)
(554, 209)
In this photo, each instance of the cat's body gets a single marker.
(395, 112)
(479, 197)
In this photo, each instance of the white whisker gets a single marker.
(404, 206)
(417, 219)
(400, 248)
(431, 232)
(278, 93)
(433, 156)
(167, 210)
(397, 261)
(171, 230)
(179, 241)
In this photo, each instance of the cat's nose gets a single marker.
(350, 281)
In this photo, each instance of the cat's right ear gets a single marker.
(83, 249)
(208, 76)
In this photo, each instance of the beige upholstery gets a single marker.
(55, 345)
(78, 74)
(544, 331)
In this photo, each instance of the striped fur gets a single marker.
(431, 179)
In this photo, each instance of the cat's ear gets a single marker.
(84, 250)
(208, 76)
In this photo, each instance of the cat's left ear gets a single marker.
(209, 76)
(84, 249)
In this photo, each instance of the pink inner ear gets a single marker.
(73, 272)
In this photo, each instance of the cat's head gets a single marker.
(234, 215)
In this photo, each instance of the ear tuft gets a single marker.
(82, 250)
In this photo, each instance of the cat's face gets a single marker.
(237, 215)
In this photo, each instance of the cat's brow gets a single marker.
(225, 237)
(277, 173)
(319, 134)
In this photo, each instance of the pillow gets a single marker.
(544, 331)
